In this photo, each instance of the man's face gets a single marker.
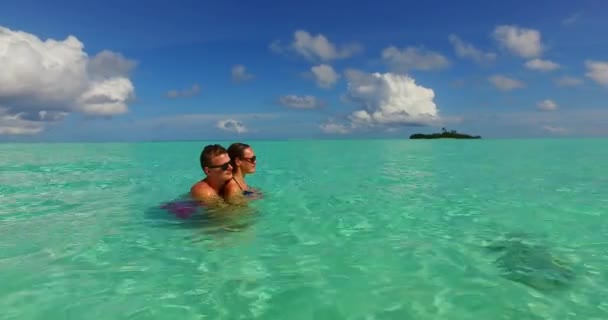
(220, 168)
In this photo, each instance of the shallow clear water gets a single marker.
(381, 229)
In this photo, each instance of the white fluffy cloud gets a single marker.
(300, 102)
(239, 74)
(412, 58)
(542, 65)
(547, 105)
(505, 83)
(523, 42)
(232, 125)
(597, 71)
(42, 81)
(325, 75)
(316, 47)
(184, 93)
(467, 50)
(390, 99)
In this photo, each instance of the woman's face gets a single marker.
(247, 162)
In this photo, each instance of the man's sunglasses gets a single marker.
(224, 166)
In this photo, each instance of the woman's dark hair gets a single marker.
(236, 150)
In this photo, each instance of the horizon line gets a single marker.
(293, 139)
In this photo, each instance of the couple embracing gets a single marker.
(225, 171)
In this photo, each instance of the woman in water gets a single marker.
(243, 161)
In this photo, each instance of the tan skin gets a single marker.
(243, 166)
(209, 189)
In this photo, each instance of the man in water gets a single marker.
(215, 163)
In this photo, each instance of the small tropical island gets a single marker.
(452, 134)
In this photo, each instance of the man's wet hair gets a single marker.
(209, 152)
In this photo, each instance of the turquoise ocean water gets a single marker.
(378, 229)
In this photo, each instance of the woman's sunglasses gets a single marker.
(251, 160)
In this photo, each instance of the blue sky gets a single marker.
(123, 71)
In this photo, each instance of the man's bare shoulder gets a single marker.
(202, 191)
